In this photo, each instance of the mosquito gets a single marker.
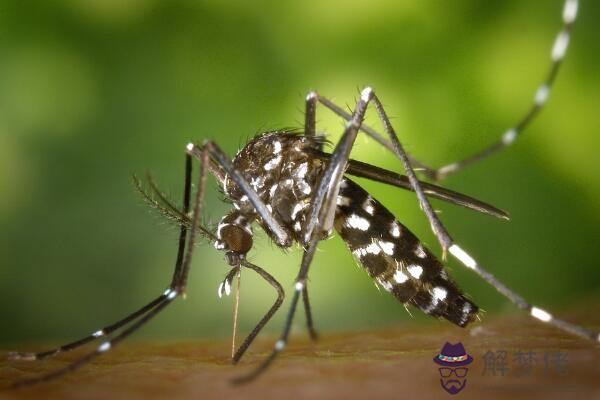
(297, 193)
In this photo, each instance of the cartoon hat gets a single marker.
(453, 355)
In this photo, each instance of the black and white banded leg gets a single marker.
(557, 54)
(540, 98)
(321, 217)
(318, 225)
(280, 234)
(189, 229)
(222, 169)
(167, 209)
(461, 255)
(137, 319)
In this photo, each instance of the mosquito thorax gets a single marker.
(281, 168)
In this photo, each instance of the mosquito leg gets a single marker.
(441, 234)
(311, 101)
(186, 209)
(223, 164)
(107, 330)
(265, 319)
(368, 130)
(283, 339)
(103, 348)
(326, 192)
(536, 312)
(222, 161)
(140, 317)
(180, 275)
(437, 227)
(559, 49)
(448, 244)
(323, 203)
(310, 114)
(309, 319)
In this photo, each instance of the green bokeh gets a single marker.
(93, 91)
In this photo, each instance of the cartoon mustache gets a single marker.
(453, 383)
(453, 386)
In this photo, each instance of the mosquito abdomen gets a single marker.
(395, 258)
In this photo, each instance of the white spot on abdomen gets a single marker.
(415, 270)
(387, 247)
(373, 248)
(439, 293)
(395, 229)
(400, 277)
(420, 252)
(465, 313)
(356, 222)
(368, 206)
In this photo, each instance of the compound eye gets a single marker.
(237, 239)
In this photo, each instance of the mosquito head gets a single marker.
(234, 236)
(238, 242)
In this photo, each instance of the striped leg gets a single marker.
(557, 54)
(144, 314)
(394, 146)
(320, 222)
(536, 312)
(448, 243)
(210, 148)
(103, 348)
(107, 330)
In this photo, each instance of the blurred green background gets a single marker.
(92, 91)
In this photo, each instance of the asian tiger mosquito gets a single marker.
(296, 192)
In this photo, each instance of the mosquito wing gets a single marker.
(364, 170)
